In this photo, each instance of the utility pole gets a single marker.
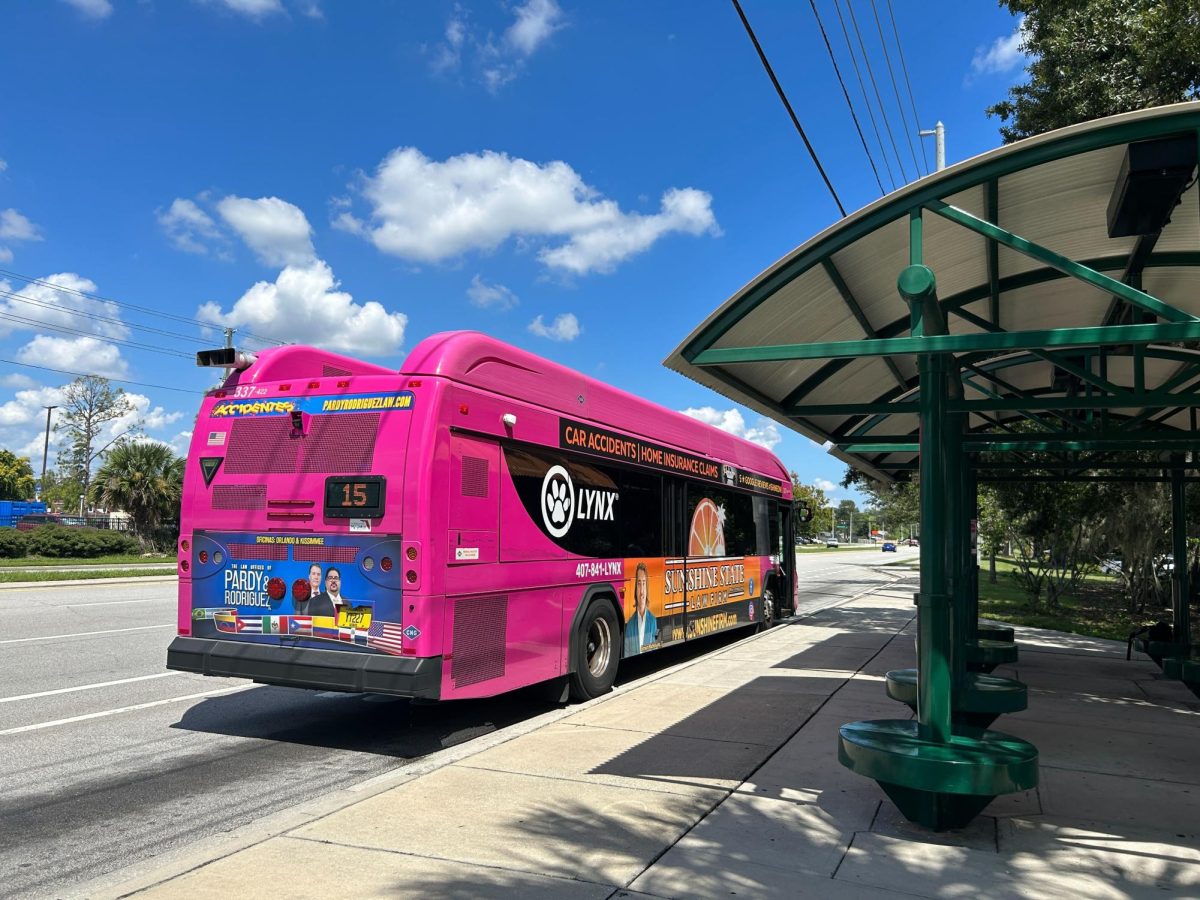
(939, 133)
(46, 449)
(229, 343)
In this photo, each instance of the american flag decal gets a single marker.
(385, 636)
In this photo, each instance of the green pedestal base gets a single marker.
(1181, 669)
(984, 655)
(977, 704)
(938, 785)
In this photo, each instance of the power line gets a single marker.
(788, 106)
(161, 387)
(866, 99)
(66, 329)
(846, 94)
(74, 312)
(908, 133)
(142, 309)
(903, 65)
(875, 87)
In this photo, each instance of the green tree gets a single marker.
(61, 492)
(16, 476)
(893, 507)
(89, 403)
(814, 499)
(143, 479)
(1096, 58)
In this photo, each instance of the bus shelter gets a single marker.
(1032, 310)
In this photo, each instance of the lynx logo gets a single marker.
(558, 501)
(561, 506)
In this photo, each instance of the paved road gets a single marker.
(110, 759)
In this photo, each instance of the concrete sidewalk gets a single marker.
(720, 778)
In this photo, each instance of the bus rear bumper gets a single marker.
(325, 670)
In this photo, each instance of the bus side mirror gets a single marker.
(800, 515)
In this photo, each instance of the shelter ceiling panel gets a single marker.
(774, 380)
(1030, 376)
(906, 423)
(1184, 228)
(863, 381)
(957, 255)
(1062, 303)
(870, 267)
(807, 309)
(1177, 286)
(1062, 205)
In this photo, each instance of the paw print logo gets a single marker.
(558, 501)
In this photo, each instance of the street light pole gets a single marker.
(46, 446)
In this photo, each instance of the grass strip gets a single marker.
(125, 559)
(84, 575)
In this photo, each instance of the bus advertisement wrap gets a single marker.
(670, 599)
(324, 591)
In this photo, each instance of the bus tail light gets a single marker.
(276, 588)
(386, 564)
(411, 553)
(203, 556)
(186, 545)
(411, 576)
(301, 590)
(183, 564)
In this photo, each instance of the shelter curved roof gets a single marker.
(799, 342)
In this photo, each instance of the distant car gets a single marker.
(1166, 565)
(912, 542)
(37, 520)
(831, 542)
(1111, 566)
(889, 547)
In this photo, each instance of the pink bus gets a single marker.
(479, 521)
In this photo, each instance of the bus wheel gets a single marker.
(596, 652)
(769, 611)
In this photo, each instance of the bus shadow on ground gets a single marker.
(394, 726)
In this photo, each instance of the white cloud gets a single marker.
(496, 61)
(89, 353)
(765, 432)
(1003, 55)
(430, 211)
(253, 9)
(565, 327)
(17, 380)
(3, 165)
(822, 484)
(6, 255)
(189, 227)
(304, 305)
(15, 227)
(94, 9)
(495, 296)
(180, 443)
(27, 406)
(277, 231)
(53, 303)
(536, 21)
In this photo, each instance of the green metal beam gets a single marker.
(855, 310)
(1059, 262)
(1155, 399)
(993, 250)
(957, 343)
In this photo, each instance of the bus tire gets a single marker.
(770, 612)
(597, 651)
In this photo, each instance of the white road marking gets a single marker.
(124, 709)
(88, 687)
(55, 637)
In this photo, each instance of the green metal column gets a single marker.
(961, 628)
(917, 285)
(1181, 625)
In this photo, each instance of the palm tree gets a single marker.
(143, 479)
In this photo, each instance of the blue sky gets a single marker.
(585, 180)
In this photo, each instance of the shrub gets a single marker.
(13, 544)
(60, 542)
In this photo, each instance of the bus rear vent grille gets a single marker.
(328, 371)
(474, 476)
(480, 624)
(343, 443)
(262, 447)
(239, 496)
(257, 551)
(313, 553)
